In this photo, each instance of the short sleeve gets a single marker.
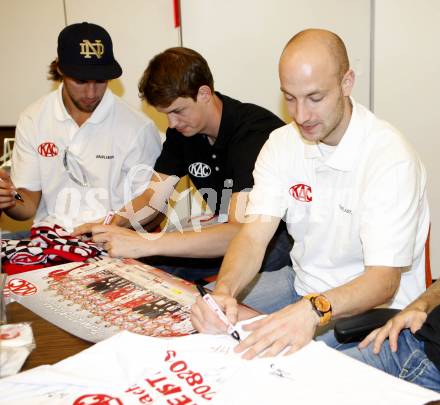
(171, 159)
(243, 156)
(25, 166)
(268, 196)
(394, 208)
(256, 126)
(140, 161)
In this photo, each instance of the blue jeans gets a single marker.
(271, 291)
(17, 235)
(409, 363)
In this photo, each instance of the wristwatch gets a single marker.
(322, 306)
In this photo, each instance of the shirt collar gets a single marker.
(61, 113)
(346, 153)
(100, 113)
(226, 128)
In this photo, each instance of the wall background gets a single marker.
(242, 41)
(407, 87)
(392, 44)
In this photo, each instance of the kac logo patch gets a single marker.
(301, 192)
(9, 333)
(199, 169)
(48, 149)
(21, 287)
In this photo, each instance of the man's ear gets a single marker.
(204, 94)
(348, 82)
(59, 71)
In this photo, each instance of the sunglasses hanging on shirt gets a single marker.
(74, 169)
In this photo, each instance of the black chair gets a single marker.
(355, 328)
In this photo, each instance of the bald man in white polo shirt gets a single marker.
(353, 194)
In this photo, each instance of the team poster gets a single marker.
(96, 300)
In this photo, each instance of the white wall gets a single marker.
(28, 43)
(407, 86)
(28, 40)
(139, 29)
(242, 41)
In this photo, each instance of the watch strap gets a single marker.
(325, 316)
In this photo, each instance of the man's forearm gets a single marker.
(136, 211)
(145, 207)
(375, 287)
(210, 242)
(245, 254)
(428, 300)
(25, 209)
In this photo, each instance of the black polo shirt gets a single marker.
(227, 165)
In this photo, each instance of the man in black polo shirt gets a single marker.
(215, 140)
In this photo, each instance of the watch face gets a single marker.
(322, 304)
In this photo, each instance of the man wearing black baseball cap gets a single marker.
(76, 147)
(85, 52)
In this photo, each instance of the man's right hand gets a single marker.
(407, 319)
(205, 319)
(7, 189)
(119, 242)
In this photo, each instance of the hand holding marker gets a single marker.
(214, 306)
(15, 193)
(107, 221)
(108, 218)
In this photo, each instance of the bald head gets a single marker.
(316, 82)
(315, 45)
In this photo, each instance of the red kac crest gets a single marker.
(97, 399)
(48, 149)
(10, 333)
(301, 192)
(21, 287)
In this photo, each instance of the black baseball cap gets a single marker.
(85, 52)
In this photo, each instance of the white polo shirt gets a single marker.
(362, 204)
(114, 150)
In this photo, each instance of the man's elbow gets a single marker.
(19, 216)
(387, 282)
(391, 284)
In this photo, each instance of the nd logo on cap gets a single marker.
(85, 52)
(88, 48)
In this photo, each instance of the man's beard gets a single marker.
(85, 108)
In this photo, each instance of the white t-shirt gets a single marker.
(111, 155)
(362, 204)
(203, 369)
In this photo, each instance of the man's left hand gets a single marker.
(86, 228)
(412, 319)
(292, 327)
